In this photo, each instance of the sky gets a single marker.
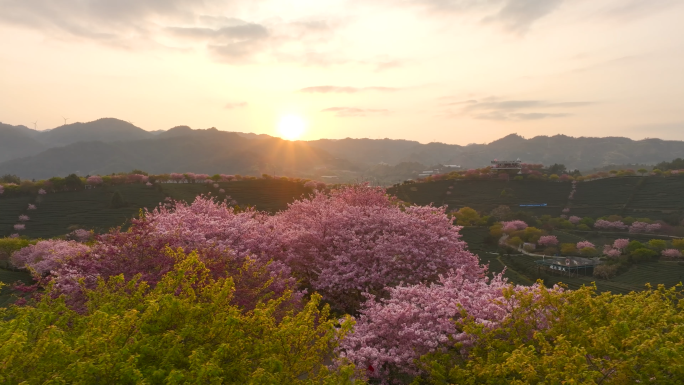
(451, 71)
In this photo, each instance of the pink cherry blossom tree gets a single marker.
(671, 253)
(548, 240)
(42, 192)
(24, 218)
(585, 244)
(511, 226)
(19, 227)
(607, 225)
(31, 207)
(621, 244)
(574, 219)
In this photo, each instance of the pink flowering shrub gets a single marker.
(31, 207)
(24, 218)
(19, 227)
(15, 235)
(310, 184)
(621, 244)
(176, 177)
(612, 253)
(671, 253)
(2, 189)
(222, 191)
(548, 240)
(390, 334)
(584, 244)
(511, 226)
(148, 184)
(361, 233)
(566, 210)
(42, 192)
(47, 256)
(607, 225)
(643, 227)
(574, 219)
(216, 185)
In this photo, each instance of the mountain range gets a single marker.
(110, 145)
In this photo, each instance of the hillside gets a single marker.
(60, 213)
(650, 197)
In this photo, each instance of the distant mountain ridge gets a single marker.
(112, 145)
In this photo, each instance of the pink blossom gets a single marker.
(548, 240)
(574, 219)
(227, 178)
(222, 191)
(607, 225)
(42, 192)
(2, 189)
(620, 244)
(176, 176)
(47, 256)
(80, 235)
(643, 227)
(310, 184)
(612, 253)
(23, 218)
(566, 210)
(19, 227)
(148, 184)
(216, 185)
(15, 235)
(511, 226)
(584, 244)
(672, 253)
(31, 207)
(94, 180)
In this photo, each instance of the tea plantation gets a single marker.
(59, 213)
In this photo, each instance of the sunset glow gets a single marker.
(291, 127)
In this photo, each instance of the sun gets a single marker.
(291, 127)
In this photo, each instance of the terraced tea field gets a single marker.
(485, 195)
(59, 213)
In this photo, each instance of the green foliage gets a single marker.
(634, 245)
(568, 249)
(467, 217)
(590, 339)
(643, 255)
(657, 244)
(183, 331)
(678, 244)
(73, 182)
(10, 178)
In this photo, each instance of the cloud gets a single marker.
(515, 16)
(344, 90)
(175, 24)
(346, 112)
(234, 105)
(493, 108)
(630, 10)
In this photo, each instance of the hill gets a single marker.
(60, 213)
(104, 130)
(649, 197)
(17, 142)
(178, 150)
(576, 153)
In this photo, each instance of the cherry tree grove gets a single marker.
(643, 227)
(403, 270)
(607, 225)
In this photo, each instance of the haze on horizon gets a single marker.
(453, 71)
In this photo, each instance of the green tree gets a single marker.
(557, 169)
(642, 171)
(467, 217)
(73, 182)
(568, 249)
(570, 337)
(678, 244)
(642, 255)
(184, 331)
(10, 178)
(657, 244)
(117, 201)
